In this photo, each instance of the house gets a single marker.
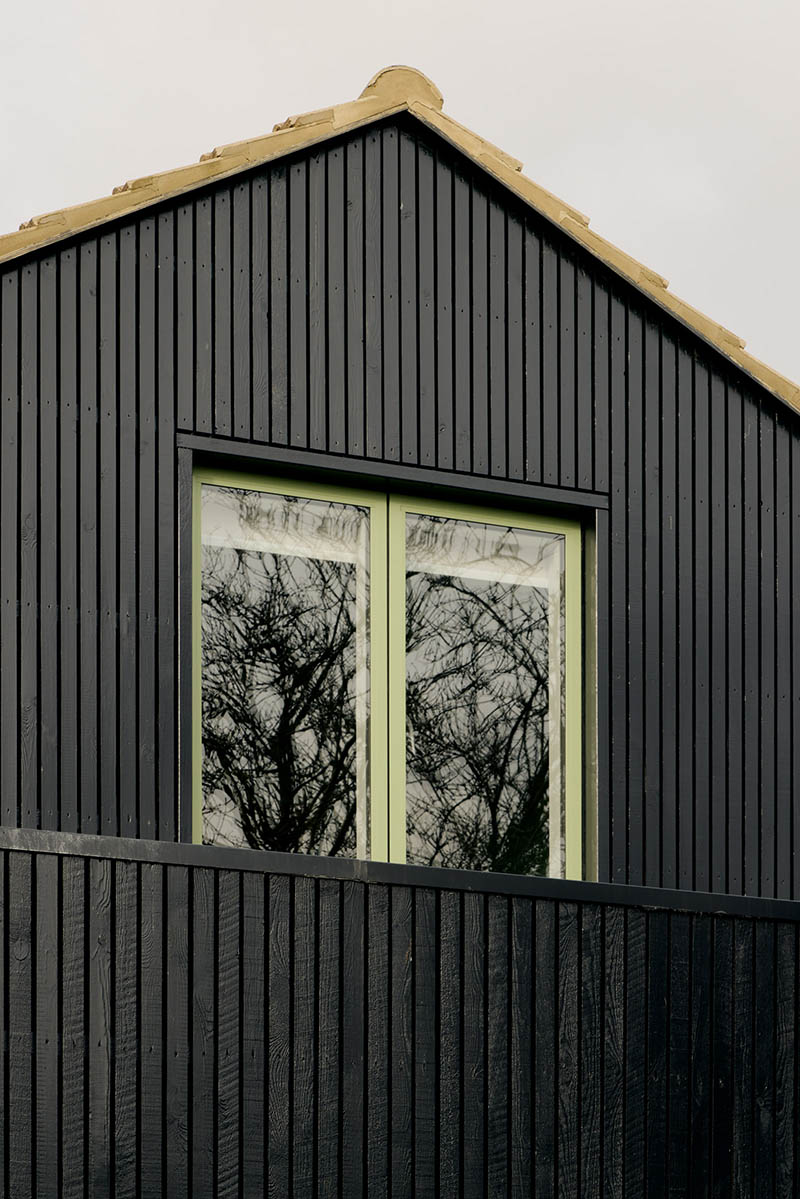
(368, 517)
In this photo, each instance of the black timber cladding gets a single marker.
(381, 300)
(175, 1026)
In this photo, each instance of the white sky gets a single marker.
(675, 126)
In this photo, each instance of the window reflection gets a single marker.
(284, 667)
(484, 696)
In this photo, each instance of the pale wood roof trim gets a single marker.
(392, 90)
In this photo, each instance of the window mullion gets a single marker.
(573, 731)
(397, 679)
(379, 682)
(196, 692)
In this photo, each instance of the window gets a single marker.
(381, 676)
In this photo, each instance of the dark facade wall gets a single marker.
(201, 1030)
(381, 301)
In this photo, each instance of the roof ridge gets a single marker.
(392, 90)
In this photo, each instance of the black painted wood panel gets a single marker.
(250, 1033)
(380, 301)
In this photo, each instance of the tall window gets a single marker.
(377, 676)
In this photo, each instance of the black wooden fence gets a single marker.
(185, 1021)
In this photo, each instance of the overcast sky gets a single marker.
(674, 126)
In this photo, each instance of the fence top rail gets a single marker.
(171, 853)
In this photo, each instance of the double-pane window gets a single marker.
(377, 676)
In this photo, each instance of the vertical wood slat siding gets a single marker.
(254, 1034)
(380, 298)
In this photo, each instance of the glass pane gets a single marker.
(484, 696)
(285, 672)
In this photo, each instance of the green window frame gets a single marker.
(387, 625)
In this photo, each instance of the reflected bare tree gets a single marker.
(477, 706)
(279, 728)
(280, 668)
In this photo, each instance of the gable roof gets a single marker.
(393, 90)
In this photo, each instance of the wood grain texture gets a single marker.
(177, 1099)
(74, 955)
(353, 1016)
(223, 325)
(722, 1052)
(276, 398)
(545, 1076)
(425, 1054)
(591, 1049)
(151, 1025)
(260, 312)
(497, 1045)
(473, 1074)
(20, 1052)
(569, 1077)
(229, 1132)
(203, 1023)
(253, 1040)
(29, 798)
(700, 1033)
(401, 1043)
(128, 634)
(521, 1102)
(47, 1032)
(614, 1159)
(744, 1033)
(317, 241)
(389, 296)
(335, 305)
(355, 234)
(102, 1029)
(764, 1088)
(147, 521)
(279, 1143)
(450, 968)
(298, 258)
(786, 1077)
(328, 1043)
(304, 1066)
(166, 534)
(9, 514)
(108, 531)
(379, 1063)
(126, 1057)
(657, 1053)
(636, 1043)
(252, 1035)
(4, 1170)
(678, 1161)
(87, 547)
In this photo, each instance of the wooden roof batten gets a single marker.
(392, 90)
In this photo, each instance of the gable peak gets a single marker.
(392, 90)
(398, 85)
